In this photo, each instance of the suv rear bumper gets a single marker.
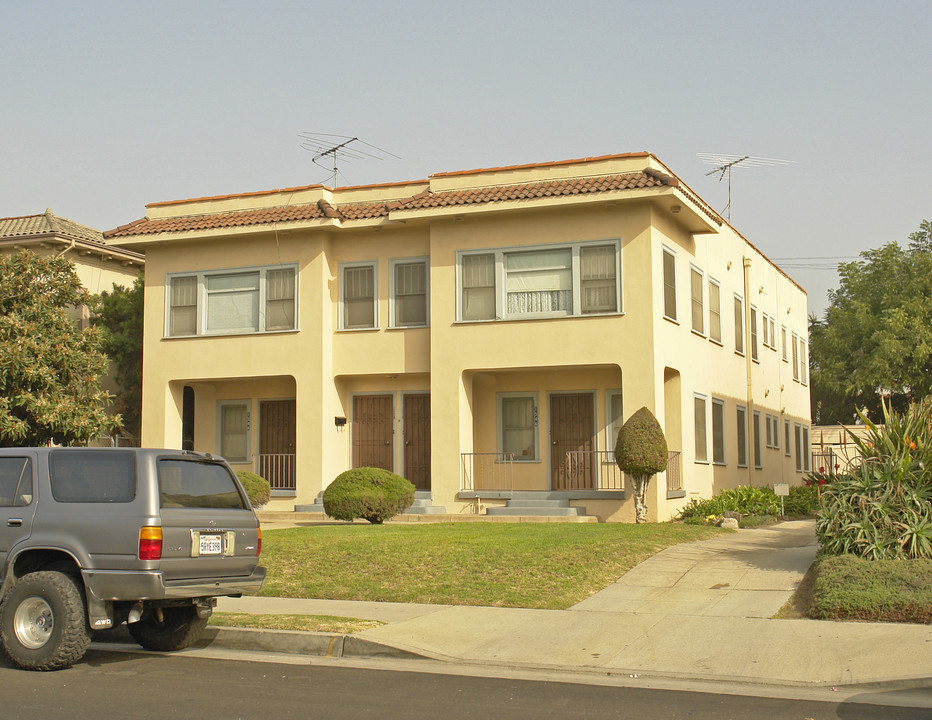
(114, 585)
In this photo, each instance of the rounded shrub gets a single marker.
(256, 487)
(372, 494)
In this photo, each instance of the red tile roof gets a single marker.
(534, 190)
(426, 199)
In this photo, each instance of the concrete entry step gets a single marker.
(536, 505)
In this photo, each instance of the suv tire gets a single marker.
(43, 623)
(179, 628)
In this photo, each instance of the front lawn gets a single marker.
(528, 565)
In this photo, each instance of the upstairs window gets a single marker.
(695, 293)
(599, 284)
(409, 293)
(230, 302)
(715, 311)
(478, 287)
(739, 325)
(358, 296)
(539, 283)
(669, 284)
(803, 361)
(754, 355)
(580, 279)
(795, 357)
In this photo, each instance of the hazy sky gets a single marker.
(107, 106)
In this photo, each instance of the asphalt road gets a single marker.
(140, 686)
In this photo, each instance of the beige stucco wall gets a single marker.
(464, 365)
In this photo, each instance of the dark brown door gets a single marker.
(372, 431)
(572, 431)
(277, 437)
(417, 440)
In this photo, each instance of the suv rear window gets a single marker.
(196, 484)
(93, 476)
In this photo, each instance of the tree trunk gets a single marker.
(640, 497)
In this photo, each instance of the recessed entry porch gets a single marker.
(251, 422)
(543, 441)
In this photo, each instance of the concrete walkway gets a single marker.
(694, 611)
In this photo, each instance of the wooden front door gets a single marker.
(417, 440)
(277, 440)
(572, 442)
(372, 431)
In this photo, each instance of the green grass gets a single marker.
(530, 565)
(303, 623)
(847, 587)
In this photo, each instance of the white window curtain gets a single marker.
(280, 300)
(598, 288)
(359, 297)
(234, 432)
(518, 428)
(183, 314)
(478, 287)
(233, 302)
(539, 282)
(411, 293)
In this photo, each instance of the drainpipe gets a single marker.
(747, 358)
(70, 247)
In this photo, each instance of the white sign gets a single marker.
(782, 489)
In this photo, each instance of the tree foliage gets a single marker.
(50, 369)
(875, 340)
(118, 315)
(641, 453)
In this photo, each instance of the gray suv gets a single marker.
(93, 538)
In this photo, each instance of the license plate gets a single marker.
(210, 544)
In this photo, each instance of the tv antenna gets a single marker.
(725, 163)
(340, 148)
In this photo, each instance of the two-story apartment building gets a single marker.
(480, 333)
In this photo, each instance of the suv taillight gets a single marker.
(259, 542)
(150, 543)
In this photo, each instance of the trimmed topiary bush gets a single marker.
(372, 494)
(641, 453)
(256, 487)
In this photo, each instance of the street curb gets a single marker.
(294, 642)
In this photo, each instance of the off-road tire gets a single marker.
(43, 622)
(180, 627)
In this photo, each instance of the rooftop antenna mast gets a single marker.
(339, 148)
(725, 163)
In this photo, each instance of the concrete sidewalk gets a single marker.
(694, 611)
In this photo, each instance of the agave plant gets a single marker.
(883, 507)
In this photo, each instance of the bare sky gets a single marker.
(107, 106)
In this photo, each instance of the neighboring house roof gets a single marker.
(48, 227)
(48, 223)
